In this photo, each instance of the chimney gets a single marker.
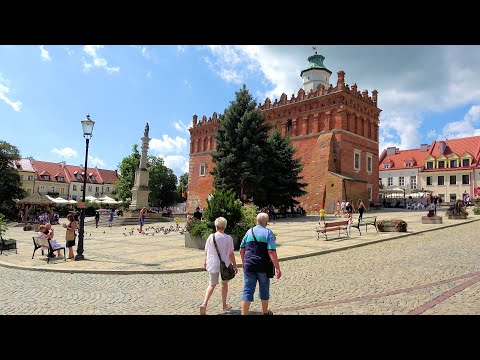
(442, 145)
(391, 150)
(63, 163)
(424, 147)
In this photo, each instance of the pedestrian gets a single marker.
(435, 201)
(97, 218)
(110, 219)
(141, 219)
(46, 232)
(197, 214)
(70, 234)
(337, 209)
(349, 208)
(361, 208)
(322, 214)
(177, 221)
(224, 243)
(257, 249)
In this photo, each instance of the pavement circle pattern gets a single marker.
(435, 272)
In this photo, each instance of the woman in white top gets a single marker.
(212, 263)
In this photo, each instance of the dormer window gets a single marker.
(453, 163)
(78, 176)
(92, 177)
(408, 164)
(386, 166)
(45, 177)
(60, 178)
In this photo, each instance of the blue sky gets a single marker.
(425, 92)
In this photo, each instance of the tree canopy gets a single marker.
(10, 182)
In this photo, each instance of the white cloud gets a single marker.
(143, 50)
(95, 161)
(181, 48)
(97, 61)
(65, 152)
(69, 51)
(4, 90)
(181, 126)
(178, 163)
(168, 144)
(44, 53)
(462, 128)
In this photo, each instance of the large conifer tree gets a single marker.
(242, 148)
(282, 173)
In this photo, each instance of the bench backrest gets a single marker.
(336, 223)
(41, 241)
(368, 219)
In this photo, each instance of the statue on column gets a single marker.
(147, 128)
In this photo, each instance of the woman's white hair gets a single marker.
(262, 218)
(221, 223)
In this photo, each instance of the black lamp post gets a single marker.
(87, 126)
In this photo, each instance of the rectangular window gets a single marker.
(369, 162)
(441, 180)
(429, 164)
(466, 162)
(442, 196)
(453, 163)
(81, 187)
(453, 198)
(386, 166)
(203, 169)
(408, 164)
(89, 188)
(401, 181)
(390, 181)
(356, 160)
(62, 190)
(441, 164)
(42, 188)
(74, 188)
(465, 179)
(30, 177)
(108, 188)
(413, 182)
(96, 188)
(453, 180)
(369, 188)
(429, 180)
(52, 189)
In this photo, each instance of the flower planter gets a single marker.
(390, 229)
(457, 217)
(432, 220)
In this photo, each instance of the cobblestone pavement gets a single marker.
(434, 272)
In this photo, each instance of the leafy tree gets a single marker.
(223, 203)
(10, 183)
(282, 177)
(127, 169)
(162, 183)
(241, 151)
(182, 187)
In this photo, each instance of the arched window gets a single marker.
(289, 126)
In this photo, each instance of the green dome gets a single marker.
(316, 62)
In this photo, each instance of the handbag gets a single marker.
(226, 272)
(70, 234)
(270, 268)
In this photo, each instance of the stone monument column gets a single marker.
(140, 188)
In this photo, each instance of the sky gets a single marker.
(426, 93)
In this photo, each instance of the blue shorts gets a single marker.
(141, 222)
(250, 282)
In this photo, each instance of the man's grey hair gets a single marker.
(262, 219)
(221, 223)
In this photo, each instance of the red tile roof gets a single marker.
(459, 147)
(24, 165)
(47, 168)
(416, 155)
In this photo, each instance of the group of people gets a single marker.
(258, 253)
(347, 208)
(47, 232)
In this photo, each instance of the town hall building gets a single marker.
(335, 130)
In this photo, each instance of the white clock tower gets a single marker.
(316, 74)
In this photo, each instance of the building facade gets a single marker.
(66, 181)
(334, 129)
(446, 168)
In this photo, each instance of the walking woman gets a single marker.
(70, 235)
(224, 242)
(361, 208)
(141, 219)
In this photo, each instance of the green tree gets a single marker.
(223, 203)
(127, 169)
(242, 149)
(282, 176)
(182, 188)
(10, 182)
(162, 183)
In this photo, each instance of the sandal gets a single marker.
(269, 312)
(227, 308)
(203, 310)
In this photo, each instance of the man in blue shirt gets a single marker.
(256, 250)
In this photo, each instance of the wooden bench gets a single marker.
(368, 220)
(39, 242)
(341, 225)
(7, 245)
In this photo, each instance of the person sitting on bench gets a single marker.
(46, 232)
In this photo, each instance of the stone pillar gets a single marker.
(140, 188)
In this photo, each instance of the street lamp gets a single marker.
(87, 126)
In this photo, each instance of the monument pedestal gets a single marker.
(140, 190)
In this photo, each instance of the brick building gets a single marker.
(334, 129)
